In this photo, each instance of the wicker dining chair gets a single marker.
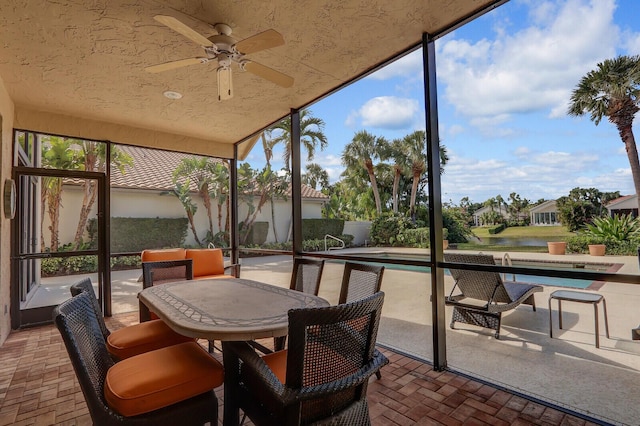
(305, 277)
(481, 296)
(134, 339)
(360, 280)
(77, 321)
(322, 376)
(160, 272)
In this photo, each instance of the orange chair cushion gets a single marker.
(165, 254)
(205, 277)
(160, 378)
(144, 337)
(277, 362)
(206, 261)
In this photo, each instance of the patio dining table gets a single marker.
(231, 309)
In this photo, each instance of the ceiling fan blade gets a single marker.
(264, 40)
(268, 74)
(175, 64)
(185, 30)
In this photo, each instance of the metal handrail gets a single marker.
(507, 259)
(333, 238)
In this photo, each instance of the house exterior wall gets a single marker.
(627, 206)
(142, 203)
(545, 214)
(478, 213)
(6, 143)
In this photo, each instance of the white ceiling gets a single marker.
(76, 67)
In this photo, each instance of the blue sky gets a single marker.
(504, 83)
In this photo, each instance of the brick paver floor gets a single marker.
(38, 387)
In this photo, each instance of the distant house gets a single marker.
(545, 213)
(477, 215)
(627, 204)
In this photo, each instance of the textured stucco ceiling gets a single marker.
(76, 67)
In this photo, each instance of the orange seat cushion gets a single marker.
(204, 277)
(206, 261)
(161, 255)
(277, 362)
(144, 337)
(160, 378)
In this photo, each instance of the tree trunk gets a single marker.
(55, 200)
(273, 220)
(193, 228)
(414, 192)
(206, 200)
(632, 153)
(88, 199)
(374, 187)
(396, 183)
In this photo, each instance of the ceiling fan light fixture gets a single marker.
(225, 85)
(170, 94)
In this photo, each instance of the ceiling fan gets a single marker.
(226, 50)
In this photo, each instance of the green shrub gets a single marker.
(616, 228)
(316, 229)
(418, 237)
(580, 244)
(497, 229)
(130, 234)
(456, 222)
(387, 229)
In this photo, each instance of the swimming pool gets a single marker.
(552, 281)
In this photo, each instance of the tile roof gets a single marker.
(152, 170)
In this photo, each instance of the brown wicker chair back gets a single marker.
(85, 286)
(360, 281)
(306, 275)
(163, 271)
(330, 358)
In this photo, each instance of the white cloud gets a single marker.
(530, 70)
(389, 112)
(631, 42)
(455, 130)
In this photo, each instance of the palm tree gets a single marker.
(613, 91)
(199, 170)
(219, 188)
(360, 152)
(399, 165)
(182, 192)
(311, 135)
(58, 153)
(315, 176)
(414, 147)
(92, 159)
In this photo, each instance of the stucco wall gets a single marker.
(126, 203)
(360, 231)
(6, 112)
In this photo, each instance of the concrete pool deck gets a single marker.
(567, 370)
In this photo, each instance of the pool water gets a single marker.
(552, 281)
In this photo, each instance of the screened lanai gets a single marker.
(78, 71)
